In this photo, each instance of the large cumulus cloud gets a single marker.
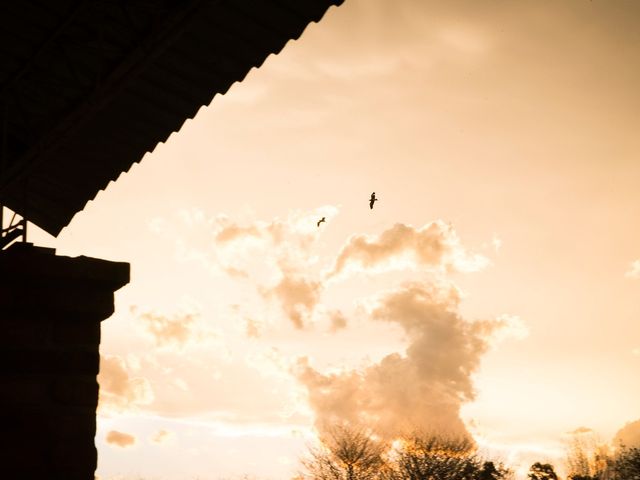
(422, 388)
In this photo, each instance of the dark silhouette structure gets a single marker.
(86, 89)
(51, 308)
(322, 220)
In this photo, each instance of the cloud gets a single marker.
(287, 240)
(434, 246)
(280, 258)
(422, 388)
(175, 330)
(234, 231)
(120, 439)
(161, 436)
(276, 256)
(118, 389)
(285, 245)
(252, 328)
(629, 435)
(634, 270)
(225, 245)
(297, 296)
(511, 326)
(236, 272)
(496, 243)
(338, 321)
(210, 383)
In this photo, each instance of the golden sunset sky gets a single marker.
(492, 289)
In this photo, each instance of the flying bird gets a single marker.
(372, 200)
(321, 221)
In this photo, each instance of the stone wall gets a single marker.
(50, 313)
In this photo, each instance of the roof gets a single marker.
(88, 87)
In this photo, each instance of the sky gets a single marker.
(491, 292)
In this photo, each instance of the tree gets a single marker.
(346, 454)
(542, 471)
(587, 459)
(436, 458)
(489, 471)
(626, 465)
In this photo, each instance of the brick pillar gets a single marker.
(50, 313)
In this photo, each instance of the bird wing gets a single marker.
(371, 203)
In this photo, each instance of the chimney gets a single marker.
(50, 312)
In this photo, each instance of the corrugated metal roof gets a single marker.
(87, 88)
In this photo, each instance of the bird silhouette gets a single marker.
(321, 221)
(372, 200)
